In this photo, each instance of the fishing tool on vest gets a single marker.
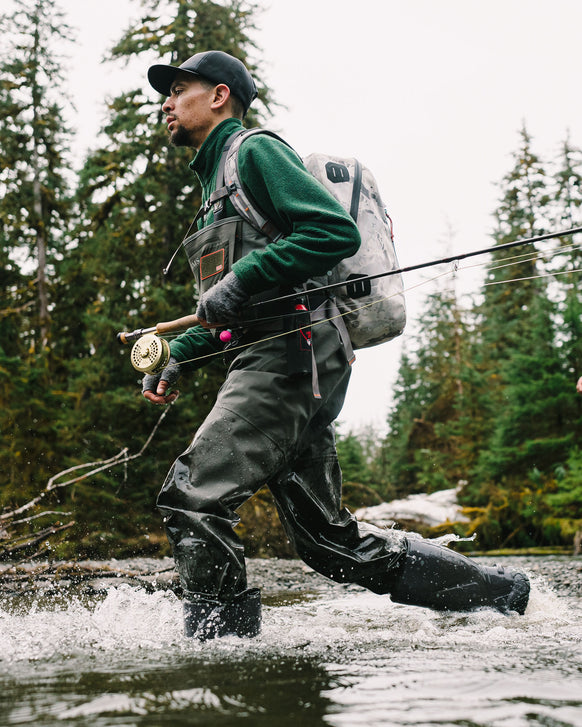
(299, 348)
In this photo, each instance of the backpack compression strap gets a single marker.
(356, 189)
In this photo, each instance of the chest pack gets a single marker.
(374, 311)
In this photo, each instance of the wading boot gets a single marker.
(435, 577)
(205, 618)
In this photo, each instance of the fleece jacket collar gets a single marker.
(205, 163)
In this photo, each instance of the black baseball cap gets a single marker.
(212, 65)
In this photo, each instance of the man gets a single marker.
(272, 420)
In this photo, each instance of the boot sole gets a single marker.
(519, 596)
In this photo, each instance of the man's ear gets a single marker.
(221, 96)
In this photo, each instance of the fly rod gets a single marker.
(150, 353)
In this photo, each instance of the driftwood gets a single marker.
(18, 536)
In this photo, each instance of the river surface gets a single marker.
(114, 654)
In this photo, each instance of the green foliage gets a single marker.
(34, 223)
(363, 480)
(34, 142)
(486, 397)
(565, 500)
(355, 460)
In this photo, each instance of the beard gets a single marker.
(180, 137)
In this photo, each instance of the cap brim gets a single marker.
(161, 77)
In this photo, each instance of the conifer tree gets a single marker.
(568, 197)
(568, 214)
(525, 432)
(33, 158)
(512, 283)
(422, 450)
(34, 220)
(521, 213)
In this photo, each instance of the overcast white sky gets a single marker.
(430, 94)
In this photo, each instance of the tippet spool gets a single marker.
(150, 354)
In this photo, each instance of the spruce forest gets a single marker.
(484, 400)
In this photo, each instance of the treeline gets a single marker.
(82, 253)
(484, 394)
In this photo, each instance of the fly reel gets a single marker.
(150, 354)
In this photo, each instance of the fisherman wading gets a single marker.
(273, 417)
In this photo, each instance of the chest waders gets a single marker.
(268, 427)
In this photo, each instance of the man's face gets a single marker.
(188, 112)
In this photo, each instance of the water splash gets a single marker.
(332, 655)
(130, 619)
(127, 618)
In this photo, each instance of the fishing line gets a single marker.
(533, 256)
(525, 257)
(534, 277)
(550, 274)
(500, 267)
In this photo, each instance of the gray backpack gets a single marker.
(373, 310)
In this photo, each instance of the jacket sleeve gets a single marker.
(318, 231)
(196, 346)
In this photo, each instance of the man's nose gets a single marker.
(167, 105)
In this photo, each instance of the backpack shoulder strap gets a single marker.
(221, 192)
(228, 178)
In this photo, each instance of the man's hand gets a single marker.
(222, 303)
(155, 386)
(579, 385)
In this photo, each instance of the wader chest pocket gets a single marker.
(211, 251)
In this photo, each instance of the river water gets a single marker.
(328, 655)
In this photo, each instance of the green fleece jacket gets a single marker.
(318, 231)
